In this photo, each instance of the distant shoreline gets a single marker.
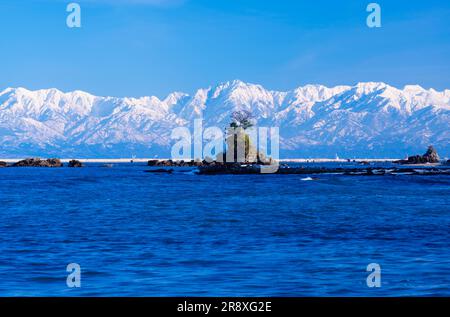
(145, 160)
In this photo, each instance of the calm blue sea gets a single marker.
(141, 234)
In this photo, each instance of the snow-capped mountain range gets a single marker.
(369, 119)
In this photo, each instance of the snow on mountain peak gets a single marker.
(415, 89)
(365, 88)
(367, 118)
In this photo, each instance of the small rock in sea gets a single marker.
(168, 163)
(75, 163)
(153, 162)
(161, 170)
(37, 162)
(3, 164)
(430, 156)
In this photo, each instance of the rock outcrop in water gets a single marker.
(75, 163)
(355, 171)
(174, 163)
(430, 156)
(161, 170)
(3, 164)
(37, 162)
(240, 150)
(197, 163)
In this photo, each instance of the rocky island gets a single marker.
(75, 163)
(37, 162)
(208, 167)
(255, 162)
(430, 157)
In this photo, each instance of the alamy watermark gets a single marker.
(74, 277)
(374, 18)
(74, 18)
(374, 278)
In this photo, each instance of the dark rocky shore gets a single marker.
(286, 170)
(427, 164)
(172, 163)
(37, 162)
(198, 163)
(218, 168)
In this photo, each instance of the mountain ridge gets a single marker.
(371, 119)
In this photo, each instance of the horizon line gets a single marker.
(229, 82)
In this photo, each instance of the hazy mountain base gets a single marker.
(140, 151)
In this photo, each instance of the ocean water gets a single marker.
(141, 234)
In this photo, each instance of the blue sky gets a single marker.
(153, 47)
